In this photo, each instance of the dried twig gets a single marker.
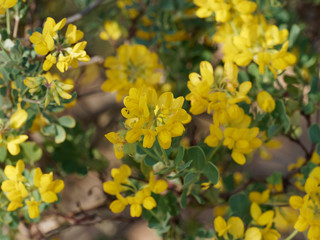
(78, 16)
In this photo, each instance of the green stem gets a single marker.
(8, 22)
(148, 152)
(234, 28)
(165, 155)
(215, 151)
(292, 235)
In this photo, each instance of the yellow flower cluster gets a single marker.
(247, 37)
(66, 49)
(298, 177)
(142, 197)
(11, 139)
(221, 97)
(55, 87)
(5, 4)
(225, 10)
(149, 115)
(261, 230)
(18, 189)
(112, 31)
(134, 67)
(309, 206)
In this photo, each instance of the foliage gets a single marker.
(244, 67)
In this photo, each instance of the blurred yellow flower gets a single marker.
(111, 31)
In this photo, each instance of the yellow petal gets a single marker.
(149, 203)
(296, 202)
(236, 227)
(253, 233)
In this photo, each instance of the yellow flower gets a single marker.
(300, 162)
(73, 35)
(253, 233)
(5, 4)
(315, 158)
(15, 173)
(56, 88)
(33, 208)
(200, 85)
(135, 202)
(141, 198)
(13, 143)
(44, 42)
(283, 59)
(266, 102)
(118, 142)
(234, 226)
(241, 141)
(158, 186)
(149, 115)
(111, 31)
(18, 118)
(260, 218)
(220, 226)
(285, 218)
(117, 206)
(205, 186)
(38, 123)
(296, 202)
(49, 62)
(259, 198)
(13, 188)
(134, 67)
(33, 83)
(71, 56)
(231, 76)
(120, 176)
(241, 94)
(48, 188)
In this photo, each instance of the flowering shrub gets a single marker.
(203, 91)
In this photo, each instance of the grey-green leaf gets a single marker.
(211, 172)
(67, 121)
(61, 134)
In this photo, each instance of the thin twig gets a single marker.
(16, 27)
(94, 59)
(78, 16)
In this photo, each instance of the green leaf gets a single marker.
(280, 114)
(61, 134)
(184, 166)
(211, 172)
(49, 130)
(275, 178)
(314, 133)
(179, 156)
(305, 170)
(150, 161)
(294, 33)
(318, 149)
(240, 206)
(67, 121)
(273, 130)
(3, 153)
(190, 178)
(145, 169)
(290, 79)
(183, 198)
(31, 151)
(197, 155)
